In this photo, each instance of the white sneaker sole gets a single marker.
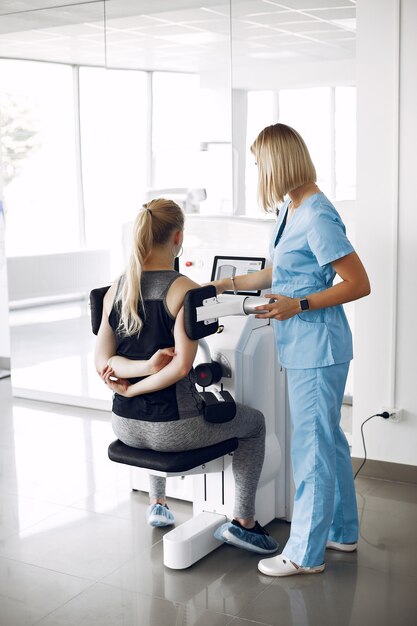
(341, 547)
(288, 569)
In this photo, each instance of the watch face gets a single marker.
(304, 304)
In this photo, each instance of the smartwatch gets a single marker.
(304, 305)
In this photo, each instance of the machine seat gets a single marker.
(169, 461)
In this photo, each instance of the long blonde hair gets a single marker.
(284, 163)
(154, 225)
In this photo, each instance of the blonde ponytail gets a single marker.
(153, 226)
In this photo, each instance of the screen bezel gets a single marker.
(223, 257)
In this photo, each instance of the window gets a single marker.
(326, 119)
(261, 113)
(345, 142)
(113, 119)
(39, 161)
(183, 156)
(309, 112)
(175, 131)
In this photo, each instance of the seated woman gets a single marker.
(144, 355)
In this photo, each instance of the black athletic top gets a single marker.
(177, 401)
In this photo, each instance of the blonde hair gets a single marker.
(153, 226)
(284, 163)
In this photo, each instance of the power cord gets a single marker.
(385, 415)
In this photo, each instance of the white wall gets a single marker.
(386, 228)
(4, 309)
(253, 74)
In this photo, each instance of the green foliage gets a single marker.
(19, 134)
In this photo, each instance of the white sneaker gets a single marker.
(341, 547)
(282, 566)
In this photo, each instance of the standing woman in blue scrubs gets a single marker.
(308, 248)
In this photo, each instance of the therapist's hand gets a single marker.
(282, 309)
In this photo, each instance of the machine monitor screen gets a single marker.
(231, 266)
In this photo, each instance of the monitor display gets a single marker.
(231, 266)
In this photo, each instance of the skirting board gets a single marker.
(386, 471)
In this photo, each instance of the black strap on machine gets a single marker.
(218, 407)
(218, 411)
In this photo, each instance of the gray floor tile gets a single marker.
(79, 543)
(119, 500)
(346, 595)
(239, 621)
(384, 495)
(19, 513)
(224, 581)
(75, 549)
(28, 593)
(109, 606)
(388, 542)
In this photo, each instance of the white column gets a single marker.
(4, 295)
(386, 227)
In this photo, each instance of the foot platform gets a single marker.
(191, 541)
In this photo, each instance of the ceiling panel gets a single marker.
(301, 5)
(193, 36)
(16, 6)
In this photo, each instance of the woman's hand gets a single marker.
(160, 359)
(118, 385)
(282, 309)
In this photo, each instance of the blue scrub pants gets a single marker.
(325, 503)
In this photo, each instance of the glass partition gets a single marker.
(107, 104)
(39, 157)
(294, 62)
(42, 46)
(184, 49)
(113, 124)
(119, 102)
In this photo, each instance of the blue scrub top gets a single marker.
(313, 238)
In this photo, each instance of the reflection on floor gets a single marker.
(75, 551)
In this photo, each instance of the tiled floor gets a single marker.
(75, 551)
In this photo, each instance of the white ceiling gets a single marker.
(184, 35)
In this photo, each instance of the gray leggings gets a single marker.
(194, 432)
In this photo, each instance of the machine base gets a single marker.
(191, 541)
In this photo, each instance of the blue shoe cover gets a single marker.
(256, 539)
(159, 515)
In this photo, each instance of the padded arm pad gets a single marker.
(193, 299)
(96, 307)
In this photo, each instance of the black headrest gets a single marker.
(96, 307)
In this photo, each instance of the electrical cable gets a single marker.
(385, 415)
